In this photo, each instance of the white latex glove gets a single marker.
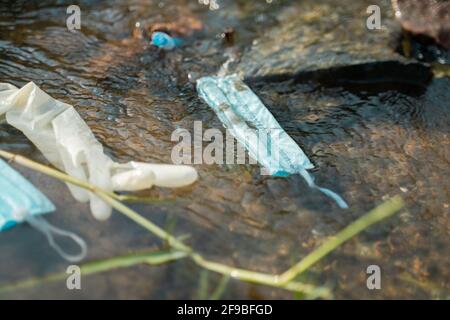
(67, 142)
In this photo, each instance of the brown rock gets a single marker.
(425, 17)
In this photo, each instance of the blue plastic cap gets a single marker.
(164, 41)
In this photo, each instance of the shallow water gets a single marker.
(368, 141)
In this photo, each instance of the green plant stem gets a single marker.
(381, 212)
(285, 280)
(149, 257)
(220, 289)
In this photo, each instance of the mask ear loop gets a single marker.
(49, 231)
(331, 194)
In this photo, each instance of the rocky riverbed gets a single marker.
(374, 121)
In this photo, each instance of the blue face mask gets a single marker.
(20, 202)
(243, 114)
(18, 194)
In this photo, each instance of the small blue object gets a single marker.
(18, 195)
(164, 41)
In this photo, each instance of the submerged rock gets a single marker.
(321, 35)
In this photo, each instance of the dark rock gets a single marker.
(320, 35)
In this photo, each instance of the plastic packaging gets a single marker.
(67, 142)
(243, 113)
